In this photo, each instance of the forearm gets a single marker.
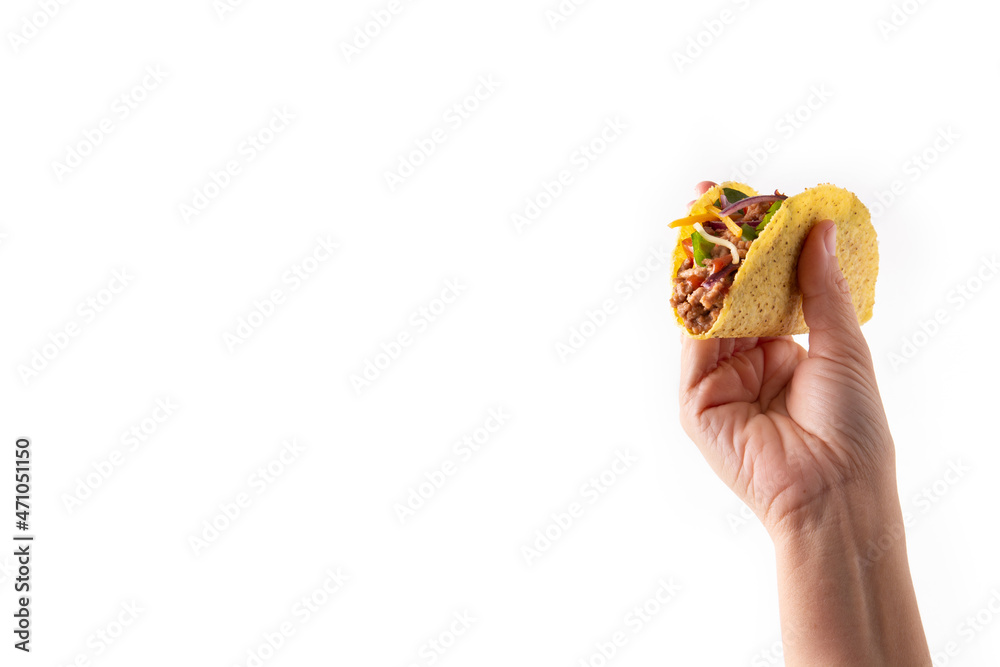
(844, 587)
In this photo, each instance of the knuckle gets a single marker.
(841, 288)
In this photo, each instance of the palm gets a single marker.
(766, 416)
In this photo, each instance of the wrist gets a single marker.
(844, 583)
(864, 521)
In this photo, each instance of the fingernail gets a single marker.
(830, 240)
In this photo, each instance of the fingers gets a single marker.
(701, 357)
(834, 332)
(698, 358)
(703, 187)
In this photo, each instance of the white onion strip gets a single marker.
(718, 241)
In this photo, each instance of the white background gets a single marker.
(869, 97)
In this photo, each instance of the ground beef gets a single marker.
(699, 306)
(755, 212)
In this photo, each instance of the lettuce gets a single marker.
(700, 248)
(767, 216)
(732, 196)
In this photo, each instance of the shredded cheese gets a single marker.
(718, 241)
(691, 219)
(730, 225)
(710, 195)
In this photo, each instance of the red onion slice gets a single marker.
(749, 201)
(719, 275)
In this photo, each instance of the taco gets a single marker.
(737, 256)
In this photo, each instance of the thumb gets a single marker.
(834, 332)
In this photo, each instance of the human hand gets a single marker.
(802, 438)
(793, 432)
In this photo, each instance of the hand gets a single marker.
(788, 429)
(802, 438)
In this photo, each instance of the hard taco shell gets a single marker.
(764, 299)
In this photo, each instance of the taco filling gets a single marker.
(715, 250)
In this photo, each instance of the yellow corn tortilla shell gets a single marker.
(764, 299)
